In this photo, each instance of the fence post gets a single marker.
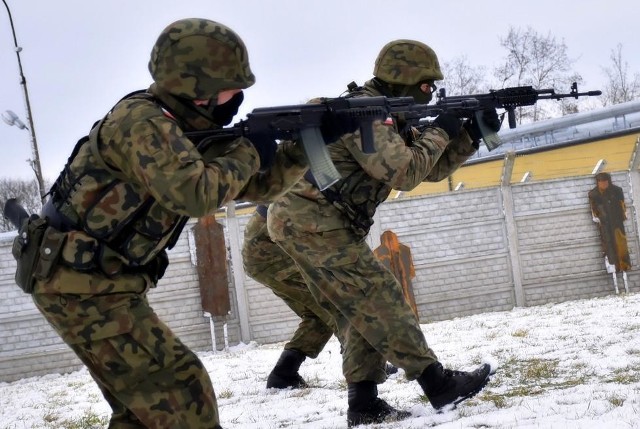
(634, 180)
(238, 272)
(510, 224)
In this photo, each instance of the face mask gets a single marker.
(419, 96)
(222, 114)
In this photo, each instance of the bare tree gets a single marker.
(461, 78)
(538, 61)
(620, 86)
(27, 194)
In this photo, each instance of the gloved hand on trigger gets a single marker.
(491, 121)
(449, 123)
(335, 126)
(266, 148)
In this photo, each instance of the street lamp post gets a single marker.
(35, 162)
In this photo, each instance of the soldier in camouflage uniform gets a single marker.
(266, 263)
(124, 197)
(325, 231)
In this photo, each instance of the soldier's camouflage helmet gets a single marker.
(407, 62)
(197, 58)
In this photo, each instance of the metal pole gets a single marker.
(35, 162)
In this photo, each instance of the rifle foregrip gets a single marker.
(511, 117)
(366, 136)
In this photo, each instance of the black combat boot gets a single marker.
(365, 407)
(444, 386)
(285, 373)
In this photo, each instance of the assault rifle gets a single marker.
(507, 99)
(302, 122)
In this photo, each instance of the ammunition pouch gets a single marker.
(85, 253)
(37, 250)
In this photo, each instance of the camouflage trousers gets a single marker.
(266, 263)
(374, 321)
(146, 374)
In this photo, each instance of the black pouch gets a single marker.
(26, 251)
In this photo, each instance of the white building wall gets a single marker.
(460, 249)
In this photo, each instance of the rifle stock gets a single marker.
(15, 213)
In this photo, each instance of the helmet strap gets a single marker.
(190, 116)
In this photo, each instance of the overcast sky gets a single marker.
(80, 57)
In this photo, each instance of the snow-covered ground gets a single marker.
(568, 365)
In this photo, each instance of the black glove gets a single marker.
(491, 121)
(266, 148)
(334, 126)
(449, 123)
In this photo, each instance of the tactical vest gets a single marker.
(356, 202)
(93, 197)
(352, 195)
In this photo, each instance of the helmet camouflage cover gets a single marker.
(197, 58)
(407, 62)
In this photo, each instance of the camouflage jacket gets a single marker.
(368, 178)
(134, 186)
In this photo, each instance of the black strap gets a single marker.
(262, 210)
(360, 221)
(57, 219)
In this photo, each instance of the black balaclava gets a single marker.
(223, 114)
(414, 91)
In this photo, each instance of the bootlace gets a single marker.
(453, 373)
(382, 405)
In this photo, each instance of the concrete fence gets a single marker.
(474, 251)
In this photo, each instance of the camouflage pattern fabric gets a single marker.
(153, 158)
(148, 377)
(374, 320)
(368, 178)
(266, 263)
(128, 190)
(407, 62)
(197, 58)
(289, 166)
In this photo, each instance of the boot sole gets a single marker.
(277, 382)
(357, 419)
